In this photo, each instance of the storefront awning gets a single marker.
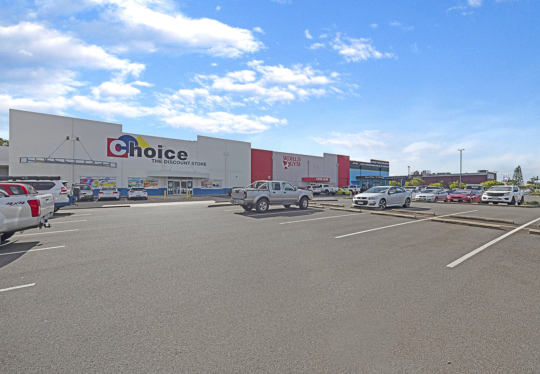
(177, 174)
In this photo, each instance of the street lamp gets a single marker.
(409, 172)
(460, 164)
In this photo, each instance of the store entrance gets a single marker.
(179, 186)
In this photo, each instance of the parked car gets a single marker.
(85, 192)
(137, 193)
(510, 195)
(56, 187)
(316, 190)
(382, 197)
(475, 187)
(431, 195)
(23, 211)
(412, 189)
(327, 189)
(344, 191)
(17, 189)
(353, 189)
(464, 196)
(261, 194)
(109, 193)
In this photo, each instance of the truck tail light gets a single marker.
(35, 207)
(100, 192)
(115, 192)
(143, 190)
(245, 194)
(63, 191)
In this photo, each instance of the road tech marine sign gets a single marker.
(129, 146)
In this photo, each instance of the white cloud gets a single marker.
(175, 29)
(118, 88)
(457, 7)
(308, 35)
(474, 3)
(109, 110)
(218, 8)
(47, 47)
(373, 25)
(400, 25)
(354, 50)
(316, 46)
(259, 30)
(220, 122)
(52, 106)
(396, 23)
(364, 139)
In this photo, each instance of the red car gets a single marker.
(464, 196)
(17, 189)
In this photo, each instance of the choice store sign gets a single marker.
(128, 146)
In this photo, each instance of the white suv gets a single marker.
(57, 188)
(510, 195)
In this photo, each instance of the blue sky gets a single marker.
(404, 81)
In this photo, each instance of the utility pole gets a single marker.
(460, 164)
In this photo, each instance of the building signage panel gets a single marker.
(129, 146)
(290, 161)
(321, 179)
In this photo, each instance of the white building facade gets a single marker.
(101, 154)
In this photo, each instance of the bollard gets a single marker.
(165, 195)
(187, 193)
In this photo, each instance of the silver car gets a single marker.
(382, 197)
(431, 195)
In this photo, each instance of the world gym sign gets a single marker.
(128, 146)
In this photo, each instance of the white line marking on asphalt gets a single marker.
(314, 219)
(283, 211)
(400, 224)
(78, 215)
(17, 287)
(31, 250)
(81, 220)
(478, 250)
(48, 232)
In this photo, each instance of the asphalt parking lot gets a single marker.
(182, 287)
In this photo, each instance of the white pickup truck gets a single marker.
(327, 189)
(21, 212)
(262, 194)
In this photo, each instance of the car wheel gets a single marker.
(247, 207)
(326, 193)
(436, 200)
(262, 206)
(146, 198)
(513, 202)
(56, 209)
(495, 203)
(407, 203)
(287, 206)
(522, 200)
(5, 236)
(304, 203)
(382, 204)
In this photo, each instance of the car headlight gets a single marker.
(507, 194)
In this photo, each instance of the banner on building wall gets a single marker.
(141, 182)
(99, 182)
(209, 183)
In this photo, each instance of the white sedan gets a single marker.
(431, 195)
(382, 197)
(137, 193)
(109, 193)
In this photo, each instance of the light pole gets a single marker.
(409, 172)
(460, 164)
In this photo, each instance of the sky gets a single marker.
(406, 81)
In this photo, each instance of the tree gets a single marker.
(490, 184)
(4, 142)
(452, 185)
(534, 182)
(440, 184)
(393, 183)
(415, 182)
(518, 176)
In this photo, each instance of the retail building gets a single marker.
(369, 174)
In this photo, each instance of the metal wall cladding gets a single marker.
(293, 167)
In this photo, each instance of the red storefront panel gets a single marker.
(261, 165)
(343, 171)
(320, 179)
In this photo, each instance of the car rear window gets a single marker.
(108, 189)
(41, 186)
(137, 189)
(17, 190)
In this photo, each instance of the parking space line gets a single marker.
(17, 287)
(31, 250)
(282, 211)
(400, 224)
(47, 232)
(81, 220)
(314, 219)
(478, 250)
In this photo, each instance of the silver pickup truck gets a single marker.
(261, 194)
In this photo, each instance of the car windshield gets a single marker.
(137, 189)
(108, 189)
(377, 190)
(500, 188)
